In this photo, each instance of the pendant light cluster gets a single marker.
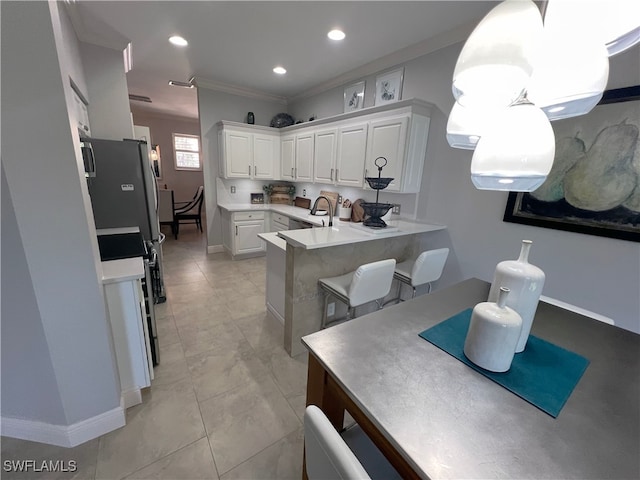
(515, 74)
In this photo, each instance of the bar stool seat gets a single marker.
(425, 269)
(370, 282)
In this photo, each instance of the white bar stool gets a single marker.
(426, 268)
(369, 282)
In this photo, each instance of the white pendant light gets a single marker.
(570, 73)
(613, 23)
(466, 124)
(515, 152)
(496, 62)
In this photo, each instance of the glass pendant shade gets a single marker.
(515, 152)
(570, 74)
(496, 62)
(465, 125)
(615, 24)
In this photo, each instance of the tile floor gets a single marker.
(227, 400)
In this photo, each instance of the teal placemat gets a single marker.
(544, 374)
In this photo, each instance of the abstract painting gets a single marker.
(594, 184)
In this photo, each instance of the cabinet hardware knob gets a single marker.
(291, 172)
(236, 230)
(249, 170)
(255, 170)
(332, 174)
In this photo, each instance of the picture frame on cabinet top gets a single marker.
(389, 86)
(354, 97)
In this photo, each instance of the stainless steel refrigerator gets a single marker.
(124, 192)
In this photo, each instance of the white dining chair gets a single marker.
(327, 456)
(425, 269)
(370, 282)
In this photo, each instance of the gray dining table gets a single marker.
(432, 416)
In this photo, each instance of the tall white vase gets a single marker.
(493, 334)
(525, 281)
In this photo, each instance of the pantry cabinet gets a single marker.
(248, 154)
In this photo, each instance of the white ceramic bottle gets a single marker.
(493, 334)
(525, 282)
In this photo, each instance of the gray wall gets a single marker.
(598, 274)
(183, 183)
(54, 225)
(215, 106)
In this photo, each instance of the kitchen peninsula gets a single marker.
(325, 252)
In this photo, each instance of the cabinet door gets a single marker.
(324, 158)
(304, 157)
(246, 237)
(352, 149)
(264, 156)
(288, 157)
(387, 139)
(238, 153)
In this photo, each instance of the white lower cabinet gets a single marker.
(242, 235)
(125, 303)
(279, 222)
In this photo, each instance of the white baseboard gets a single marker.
(215, 249)
(64, 435)
(575, 309)
(131, 398)
(275, 313)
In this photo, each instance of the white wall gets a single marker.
(46, 184)
(598, 274)
(109, 112)
(213, 107)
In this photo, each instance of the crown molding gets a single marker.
(236, 90)
(404, 55)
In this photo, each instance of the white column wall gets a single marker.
(43, 167)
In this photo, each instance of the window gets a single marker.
(186, 151)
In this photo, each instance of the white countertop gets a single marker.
(272, 238)
(342, 233)
(117, 231)
(122, 270)
(296, 213)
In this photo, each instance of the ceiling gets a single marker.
(238, 43)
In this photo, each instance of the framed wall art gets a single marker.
(594, 184)
(354, 97)
(389, 87)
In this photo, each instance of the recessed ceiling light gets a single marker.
(279, 70)
(336, 35)
(178, 40)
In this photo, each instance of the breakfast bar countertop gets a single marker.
(344, 233)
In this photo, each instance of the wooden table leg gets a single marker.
(319, 395)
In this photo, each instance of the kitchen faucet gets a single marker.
(314, 209)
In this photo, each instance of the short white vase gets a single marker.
(525, 282)
(493, 334)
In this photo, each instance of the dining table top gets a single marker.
(449, 421)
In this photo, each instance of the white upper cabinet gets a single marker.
(266, 156)
(387, 139)
(248, 154)
(352, 146)
(288, 157)
(339, 150)
(325, 149)
(304, 157)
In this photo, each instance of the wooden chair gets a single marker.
(191, 212)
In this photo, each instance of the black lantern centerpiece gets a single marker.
(375, 210)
